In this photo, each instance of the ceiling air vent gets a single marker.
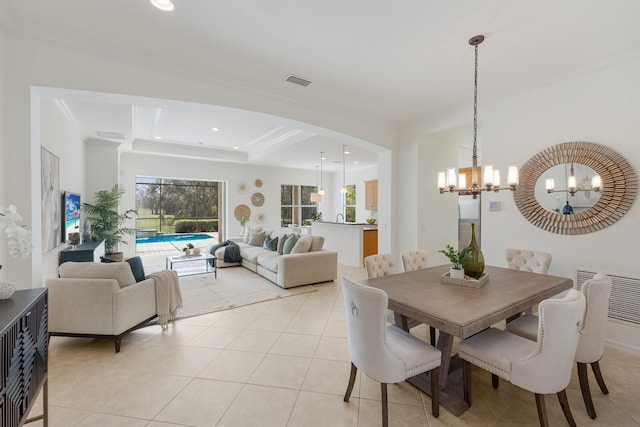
(111, 135)
(298, 80)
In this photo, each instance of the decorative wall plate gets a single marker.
(242, 188)
(260, 218)
(258, 183)
(240, 211)
(257, 199)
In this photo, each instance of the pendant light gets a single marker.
(321, 191)
(343, 190)
(448, 182)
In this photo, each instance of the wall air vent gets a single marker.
(298, 80)
(111, 135)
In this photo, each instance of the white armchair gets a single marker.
(384, 352)
(543, 366)
(99, 300)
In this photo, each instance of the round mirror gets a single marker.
(618, 191)
(554, 194)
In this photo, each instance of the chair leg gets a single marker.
(466, 381)
(542, 410)
(564, 404)
(352, 381)
(596, 371)
(495, 381)
(586, 392)
(432, 335)
(385, 408)
(435, 392)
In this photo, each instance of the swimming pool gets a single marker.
(171, 238)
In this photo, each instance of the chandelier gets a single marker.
(454, 183)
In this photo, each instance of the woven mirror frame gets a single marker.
(619, 188)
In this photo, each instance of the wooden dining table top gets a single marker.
(464, 311)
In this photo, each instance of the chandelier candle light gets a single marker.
(450, 181)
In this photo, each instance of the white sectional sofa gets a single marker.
(304, 263)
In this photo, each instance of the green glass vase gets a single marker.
(475, 266)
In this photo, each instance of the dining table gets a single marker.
(461, 311)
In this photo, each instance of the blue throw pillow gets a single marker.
(290, 243)
(136, 266)
(270, 244)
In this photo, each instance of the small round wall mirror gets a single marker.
(618, 187)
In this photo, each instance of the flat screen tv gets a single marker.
(71, 217)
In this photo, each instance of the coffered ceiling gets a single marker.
(393, 62)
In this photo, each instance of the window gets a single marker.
(174, 206)
(350, 204)
(296, 207)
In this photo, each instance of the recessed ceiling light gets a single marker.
(165, 5)
(157, 137)
(356, 163)
(346, 152)
(236, 148)
(215, 129)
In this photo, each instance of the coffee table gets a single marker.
(189, 265)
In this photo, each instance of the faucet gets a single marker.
(338, 216)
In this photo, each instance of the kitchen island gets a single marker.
(346, 238)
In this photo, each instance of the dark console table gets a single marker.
(24, 343)
(86, 252)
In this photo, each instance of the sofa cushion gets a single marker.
(290, 243)
(281, 241)
(120, 271)
(257, 238)
(269, 261)
(136, 266)
(251, 253)
(271, 243)
(302, 245)
(317, 243)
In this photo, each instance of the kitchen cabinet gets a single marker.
(371, 195)
(369, 242)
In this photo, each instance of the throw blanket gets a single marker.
(168, 295)
(231, 254)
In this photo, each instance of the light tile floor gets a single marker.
(282, 363)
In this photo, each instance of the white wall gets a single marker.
(598, 106)
(31, 66)
(61, 139)
(4, 161)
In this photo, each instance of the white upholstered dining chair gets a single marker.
(411, 261)
(526, 260)
(380, 265)
(597, 292)
(414, 260)
(542, 367)
(384, 352)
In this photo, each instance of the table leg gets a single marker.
(451, 397)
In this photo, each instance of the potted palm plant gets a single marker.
(107, 223)
(457, 258)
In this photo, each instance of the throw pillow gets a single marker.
(290, 243)
(257, 239)
(281, 241)
(302, 245)
(270, 243)
(317, 243)
(136, 266)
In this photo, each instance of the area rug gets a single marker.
(234, 287)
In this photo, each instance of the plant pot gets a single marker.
(456, 273)
(115, 256)
(195, 251)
